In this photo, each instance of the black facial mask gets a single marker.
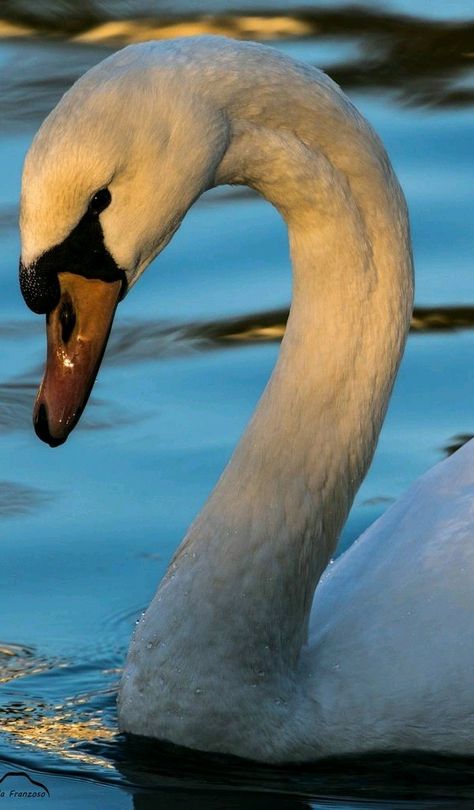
(83, 252)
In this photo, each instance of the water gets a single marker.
(87, 530)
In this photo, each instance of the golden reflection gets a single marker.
(238, 27)
(418, 60)
(8, 30)
(440, 319)
(134, 342)
(36, 668)
(17, 661)
(258, 333)
(271, 326)
(151, 341)
(422, 60)
(57, 731)
(116, 32)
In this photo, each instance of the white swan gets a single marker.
(233, 655)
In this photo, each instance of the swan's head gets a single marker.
(106, 183)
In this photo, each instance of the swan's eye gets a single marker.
(100, 200)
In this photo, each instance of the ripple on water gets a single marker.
(19, 499)
(39, 718)
(138, 341)
(420, 60)
(76, 735)
(118, 625)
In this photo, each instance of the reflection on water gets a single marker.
(8, 218)
(440, 319)
(155, 340)
(456, 442)
(16, 661)
(56, 730)
(40, 74)
(75, 735)
(422, 61)
(96, 521)
(148, 341)
(406, 777)
(56, 727)
(18, 499)
(17, 399)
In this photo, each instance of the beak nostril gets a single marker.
(67, 319)
(41, 426)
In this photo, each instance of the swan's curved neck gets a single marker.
(240, 587)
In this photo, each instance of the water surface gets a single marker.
(87, 530)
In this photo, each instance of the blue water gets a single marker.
(87, 530)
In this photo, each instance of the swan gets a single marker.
(239, 652)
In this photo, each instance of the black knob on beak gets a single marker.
(40, 288)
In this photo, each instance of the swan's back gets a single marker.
(392, 632)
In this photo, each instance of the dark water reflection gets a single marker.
(408, 777)
(40, 73)
(151, 341)
(422, 61)
(17, 399)
(18, 499)
(154, 773)
(457, 442)
(155, 340)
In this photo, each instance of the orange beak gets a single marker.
(77, 332)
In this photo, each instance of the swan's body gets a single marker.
(230, 656)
